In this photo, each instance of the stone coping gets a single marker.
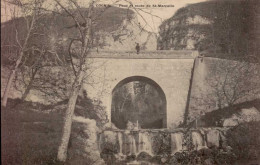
(157, 54)
(169, 130)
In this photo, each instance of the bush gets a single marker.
(161, 143)
(244, 140)
(143, 156)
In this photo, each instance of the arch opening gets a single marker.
(138, 102)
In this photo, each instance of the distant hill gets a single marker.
(115, 28)
(218, 26)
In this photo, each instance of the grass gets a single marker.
(31, 132)
(29, 136)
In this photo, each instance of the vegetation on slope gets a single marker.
(31, 132)
(232, 27)
(56, 30)
(211, 118)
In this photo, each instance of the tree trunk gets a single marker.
(17, 63)
(85, 34)
(29, 86)
(10, 80)
(62, 151)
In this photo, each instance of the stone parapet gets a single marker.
(159, 54)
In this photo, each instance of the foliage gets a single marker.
(210, 118)
(203, 156)
(26, 131)
(161, 143)
(187, 141)
(232, 81)
(244, 140)
(92, 109)
(27, 128)
(138, 100)
(57, 29)
(108, 153)
(232, 30)
(143, 156)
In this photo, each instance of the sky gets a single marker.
(150, 22)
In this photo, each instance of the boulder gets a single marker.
(130, 158)
(249, 114)
(156, 159)
(144, 156)
(110, 137)
(244, 115)
(109, 126)
(205, 152)
(230, 122)
(83, 144)
(213, 138)
(209, 161)
(173, 161)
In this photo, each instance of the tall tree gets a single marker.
(31, 12)
(84, 21)
(84, 26)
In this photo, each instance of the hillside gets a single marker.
(114, 28)
(218, 26)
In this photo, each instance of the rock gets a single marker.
(197, 140)
(205, 152)
(245, 115)
(163, 159)
(230, 122)
(83, 144)
(180, 156)
(120, 157)
(156, 159)
(250, 114)
(108, 155)
(225, 158)
(130, 157)
(110, 137)
(173, 161)
(144, 156)
(208, 161)
(223, 139)
(213, 138)
(109, 126)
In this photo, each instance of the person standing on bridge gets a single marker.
(137, 48)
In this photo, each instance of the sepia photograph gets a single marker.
(130, 82)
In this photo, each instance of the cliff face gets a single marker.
(183, 33)
(214, 26)
(115, 28)
(127, 35)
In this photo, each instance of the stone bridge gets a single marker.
(169, 71)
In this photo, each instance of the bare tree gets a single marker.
(233, 81)
(22, 41)
(84, 26)
(79, 49)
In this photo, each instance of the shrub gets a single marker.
(161, 143)
(244, 140)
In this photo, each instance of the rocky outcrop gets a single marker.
(242, 116)
(115, 29)
(212, 26)
(182, 34)
(83, 147)
(127, 35)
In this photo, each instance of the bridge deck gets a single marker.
(160, 54)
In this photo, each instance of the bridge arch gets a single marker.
(138, 99)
